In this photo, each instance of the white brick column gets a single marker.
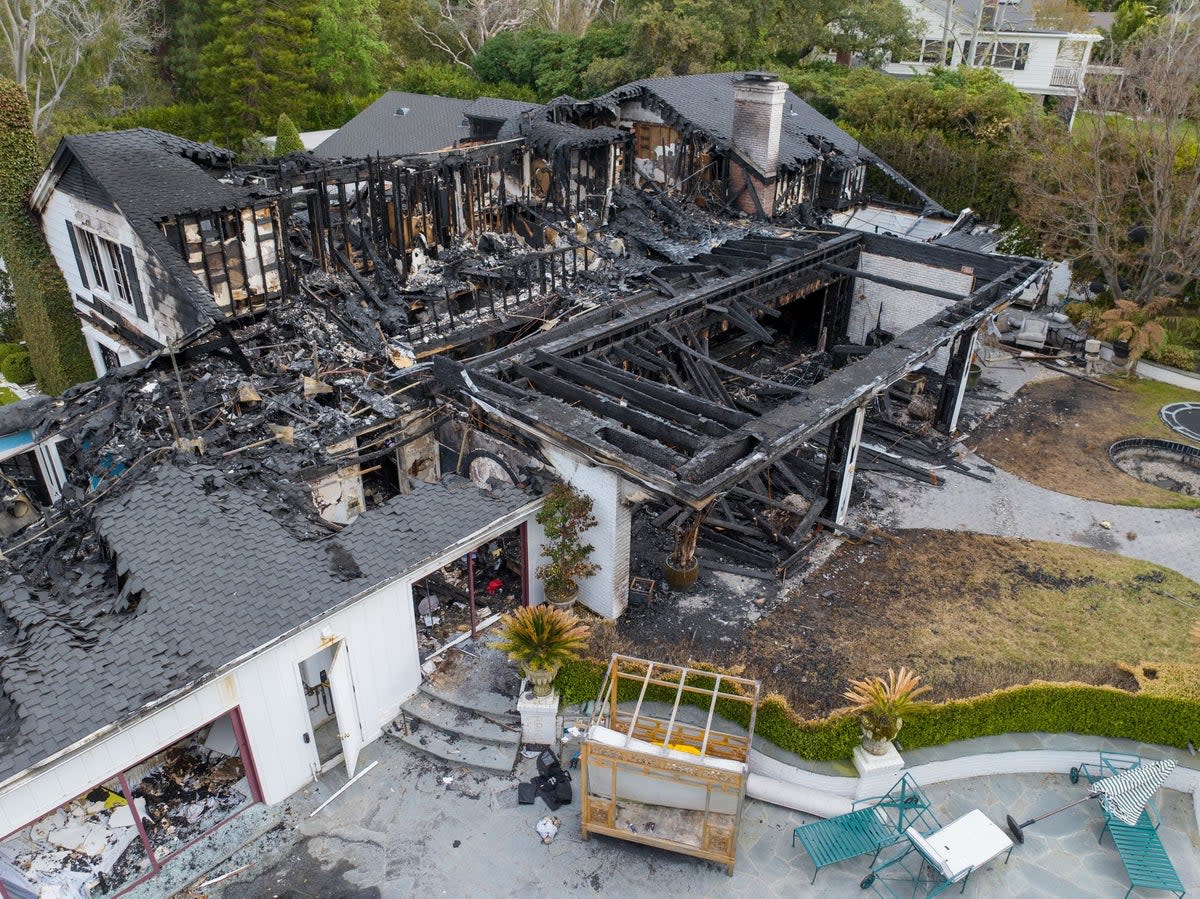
(607, 592)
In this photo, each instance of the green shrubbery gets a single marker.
(48, 322)
(1031, 708)
(17, 368)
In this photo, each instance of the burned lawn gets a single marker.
(1058, 432)
(971, 613)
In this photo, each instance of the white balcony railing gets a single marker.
(1066, 76)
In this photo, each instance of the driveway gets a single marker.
(1012, 507)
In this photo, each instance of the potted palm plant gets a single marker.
(882, 703)
(541, 638)
(564, 517)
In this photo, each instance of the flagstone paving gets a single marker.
(402, 831)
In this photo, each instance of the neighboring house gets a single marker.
(1006, 37)
(399, 124)
(152, 243)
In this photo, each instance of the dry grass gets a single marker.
(972, 613)
(1058, 437)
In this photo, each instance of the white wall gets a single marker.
(607, 592)
(61, 208)
(902, 309)
(380, 636)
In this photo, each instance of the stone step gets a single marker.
(491, 706)
(459, 721)
(458, 750)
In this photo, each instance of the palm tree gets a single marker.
(1137, 325)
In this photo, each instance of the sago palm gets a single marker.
(883, 701)
(541, 637)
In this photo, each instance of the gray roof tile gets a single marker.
(221, 577)
(430, 123)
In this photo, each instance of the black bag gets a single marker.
(526, 794)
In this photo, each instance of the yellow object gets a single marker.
(114, 800)
(683, 747)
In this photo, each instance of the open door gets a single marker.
(341, 686)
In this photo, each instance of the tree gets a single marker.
(350, 49)
(287, 138)
(259, 63)
(1061, 15)
(1122, 193)
(462, 27)
(48, 43)
(43, 303)
(875, 30)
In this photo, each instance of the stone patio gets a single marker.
(405, 829)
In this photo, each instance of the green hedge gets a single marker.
(47, 318)
(1037, 707)
(8, 349)
(17, 368)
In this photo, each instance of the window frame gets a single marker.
(108, 273)
(935, 52)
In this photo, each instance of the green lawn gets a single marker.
(7, 396)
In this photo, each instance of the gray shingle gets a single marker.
(221, 577)
(430, 123)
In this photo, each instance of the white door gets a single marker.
(341, 685)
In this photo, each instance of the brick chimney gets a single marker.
(758, 99)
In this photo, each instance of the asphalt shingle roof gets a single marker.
(705, 102)
(431, 123)
(155, 174)
(497, 110)
(218, 577)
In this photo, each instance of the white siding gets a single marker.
(61, 208)
(902, 309)
(381, 636)
(607, 592)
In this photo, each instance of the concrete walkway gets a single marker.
(410, 827)
(1012, 507)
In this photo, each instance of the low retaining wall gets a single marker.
(827, 795)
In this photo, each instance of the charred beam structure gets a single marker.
(660, 390)
(954, 383)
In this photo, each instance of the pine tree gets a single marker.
(46, 315)
(287, 138)
(259, 61)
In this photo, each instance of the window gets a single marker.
(109, 357)
(98, 272)
(1002, 55)
(935, 52)
(108, 269)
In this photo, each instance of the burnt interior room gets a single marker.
(728, 389)
(461, 595)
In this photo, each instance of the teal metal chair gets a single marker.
(874, 824)
(1139, 845)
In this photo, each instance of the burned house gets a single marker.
(346, 386)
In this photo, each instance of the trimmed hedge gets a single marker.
(8, 349)
(47, 318)
(17, 368)
(1036, 707)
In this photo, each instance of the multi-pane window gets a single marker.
(106, 266)
(97, 269)
(1001, 55)
(935, 52)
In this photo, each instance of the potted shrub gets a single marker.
(682, 568)
(541, 638)
(564, 517)
(882, 704)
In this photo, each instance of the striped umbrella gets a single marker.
(1124, 795)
